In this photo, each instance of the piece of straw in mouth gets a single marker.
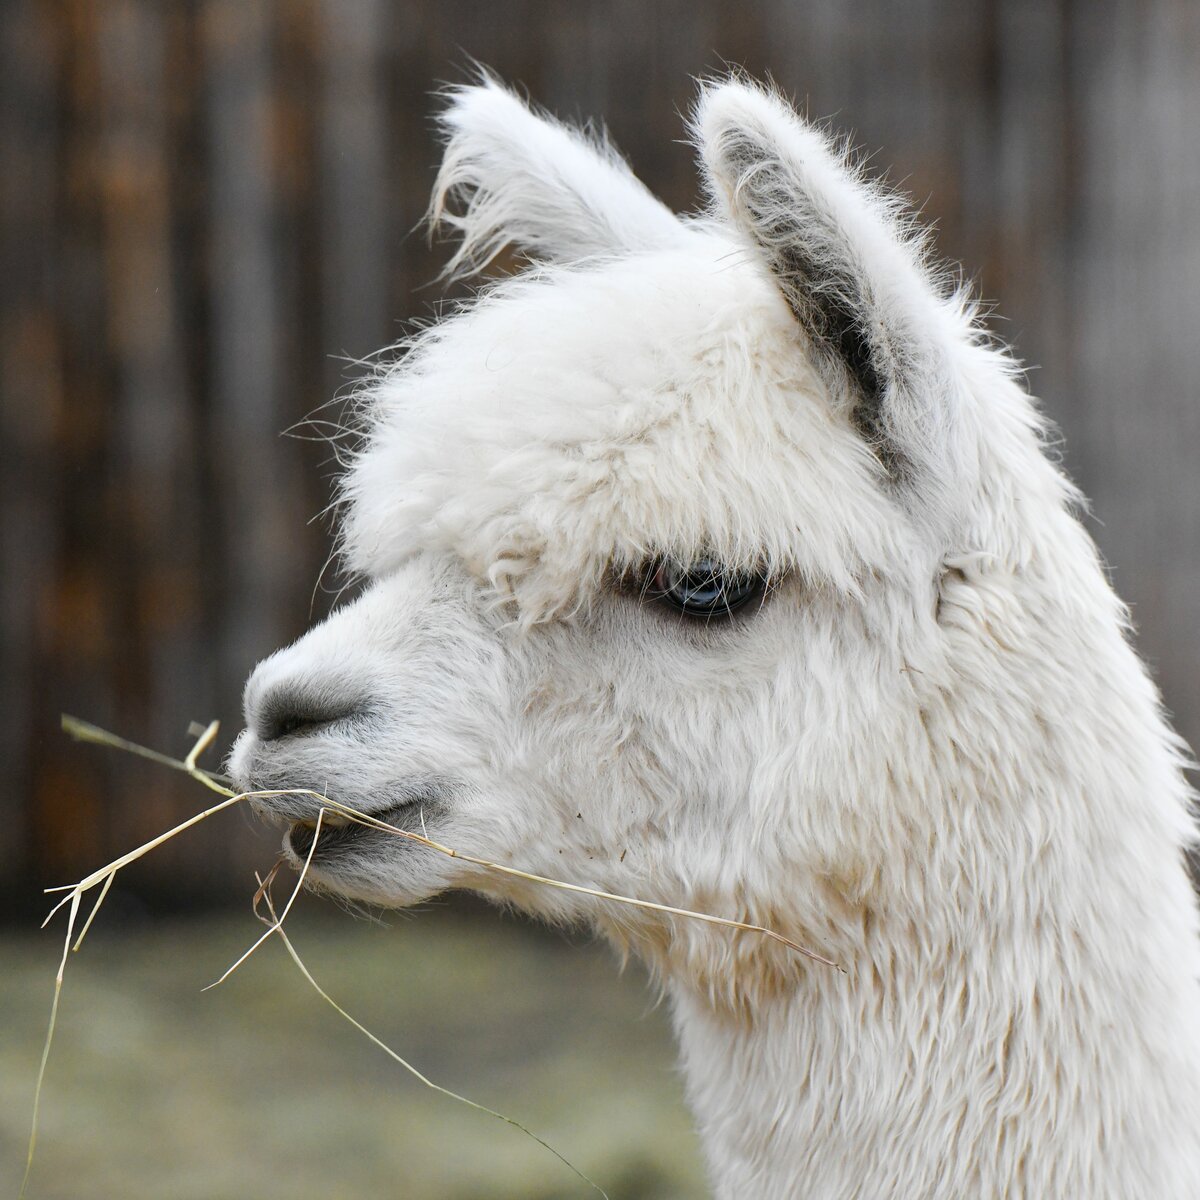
(103, 878)
(92, 733)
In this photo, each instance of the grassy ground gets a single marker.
(258, 1089)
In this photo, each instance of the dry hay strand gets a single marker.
(103, 879)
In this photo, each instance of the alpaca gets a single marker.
(718, 561)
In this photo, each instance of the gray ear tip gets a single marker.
(734, 116)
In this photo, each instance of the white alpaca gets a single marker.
(717, 561)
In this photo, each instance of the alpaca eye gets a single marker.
(703, 588)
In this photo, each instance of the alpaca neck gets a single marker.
(1004, 1053)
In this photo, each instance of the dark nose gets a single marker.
(289, 711)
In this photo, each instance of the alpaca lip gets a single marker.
(339, 834)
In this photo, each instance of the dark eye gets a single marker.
(703, 588)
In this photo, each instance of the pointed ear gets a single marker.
(852, 274)
(513, 176)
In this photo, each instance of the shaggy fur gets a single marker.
(928, 752)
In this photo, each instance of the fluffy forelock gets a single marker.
(577, 421)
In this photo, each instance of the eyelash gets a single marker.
(702, 589)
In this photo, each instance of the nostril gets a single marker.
(286, 726)
(290, 714)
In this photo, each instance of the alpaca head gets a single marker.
(653, 538)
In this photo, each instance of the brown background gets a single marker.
(206, 214)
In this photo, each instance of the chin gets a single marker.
(370, 882)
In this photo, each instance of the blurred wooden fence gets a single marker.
(205, 207)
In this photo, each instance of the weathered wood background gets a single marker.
(206, 213)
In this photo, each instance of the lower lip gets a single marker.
(343, 839)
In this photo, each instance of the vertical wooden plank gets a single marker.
(258, 512)
(1034, 195)
(358, 237)
(306, 360)
(357, 250)
(164, 672)
(31, 396)
(77, 623)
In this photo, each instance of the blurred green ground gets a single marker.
(259, 1090)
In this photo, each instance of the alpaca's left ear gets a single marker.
(853, 276)
(514, 176)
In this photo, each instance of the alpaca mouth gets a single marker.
(340, 835)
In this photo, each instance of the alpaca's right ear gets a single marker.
(848, 267)
(518, 177)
